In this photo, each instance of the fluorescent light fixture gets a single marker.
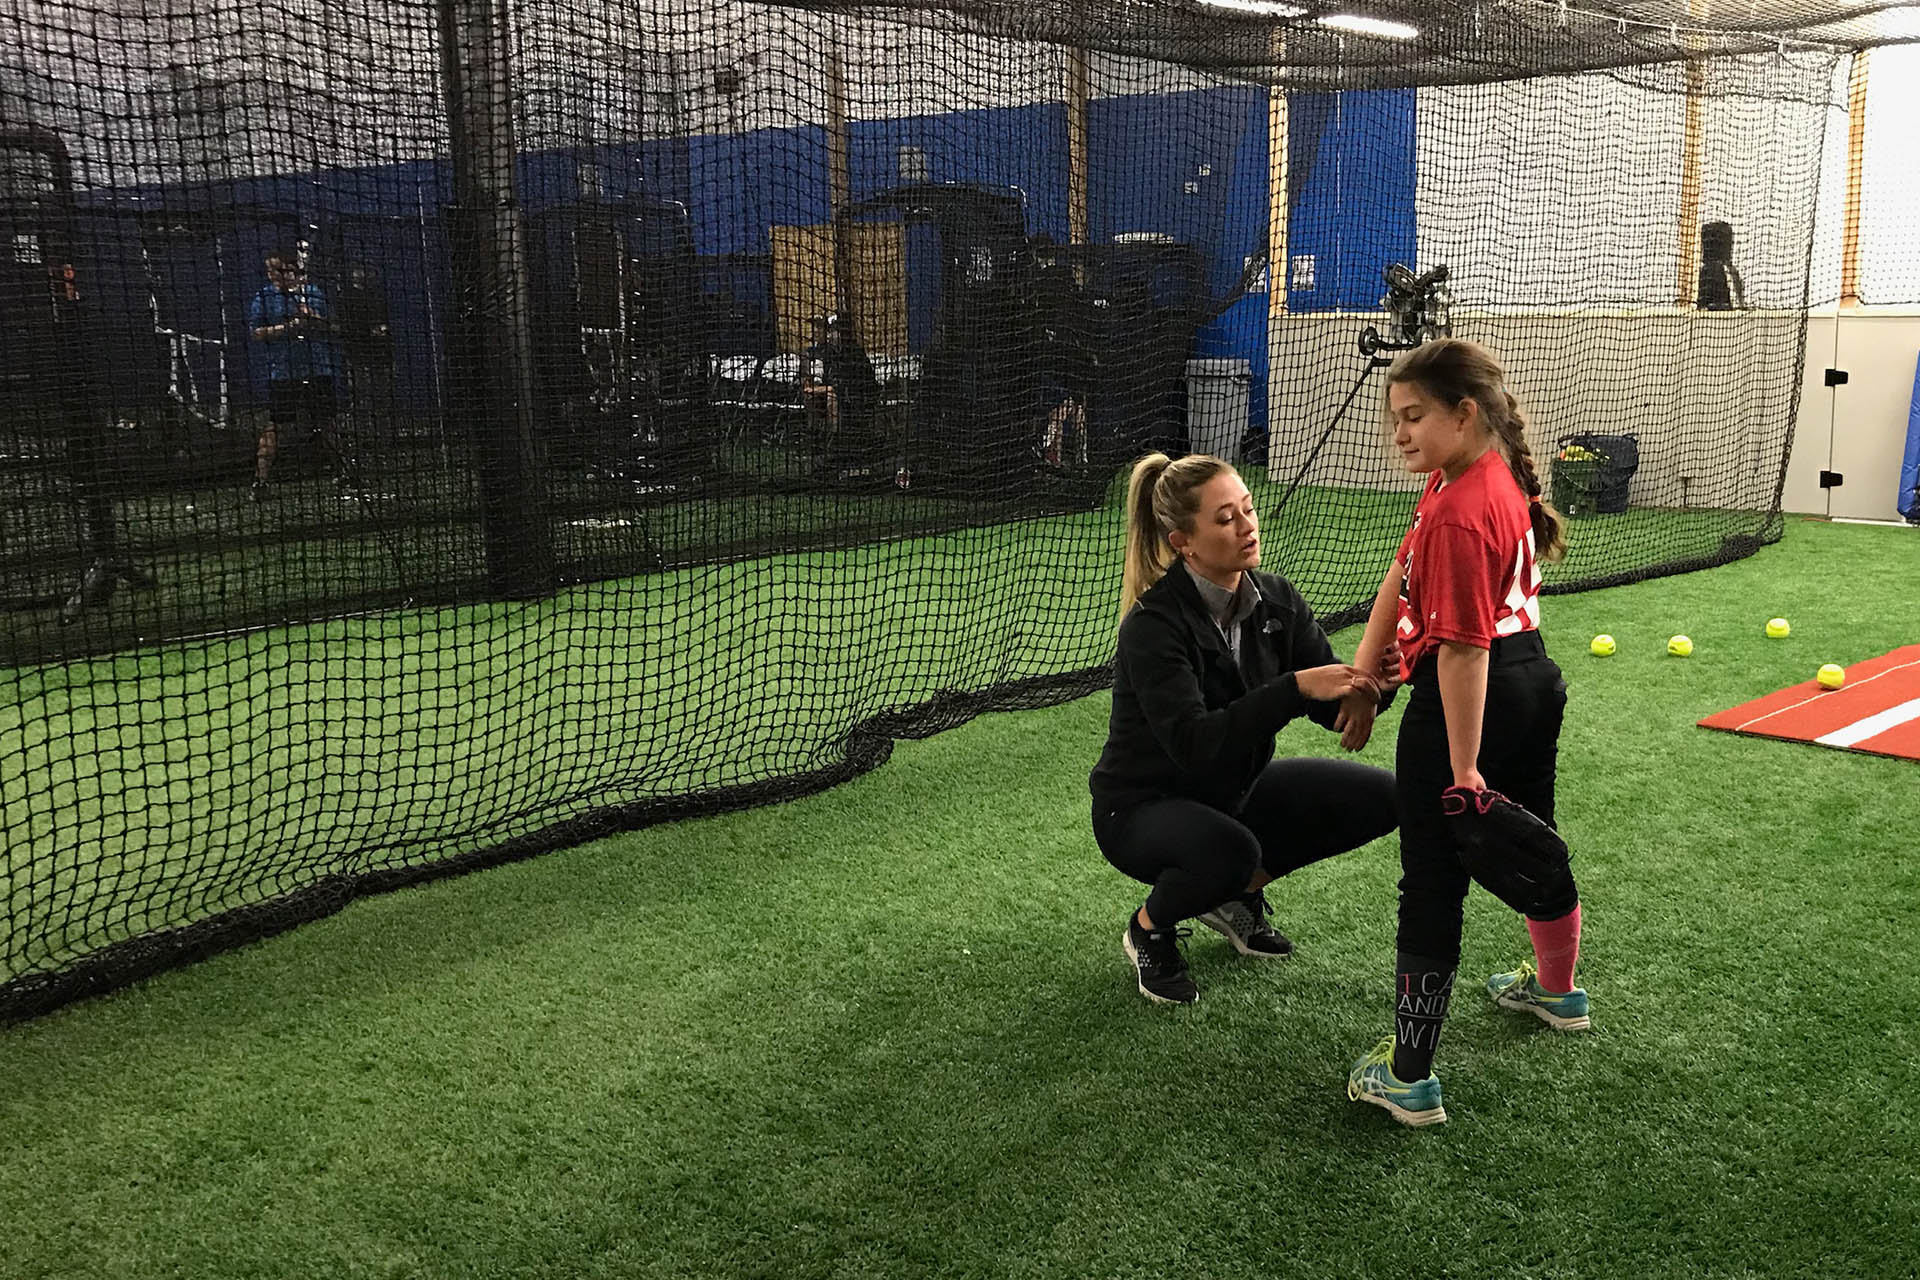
(1258, 8)
(1369, 26)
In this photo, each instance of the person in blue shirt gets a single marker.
(291, 321)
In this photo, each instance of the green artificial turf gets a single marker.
(887, 1030)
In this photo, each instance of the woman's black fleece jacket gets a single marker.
(1187, 719)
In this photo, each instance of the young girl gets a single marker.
(1463, 600)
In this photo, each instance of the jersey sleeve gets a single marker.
(1460, 584)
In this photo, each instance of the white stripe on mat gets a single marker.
(1812, 698)
(1872, 726)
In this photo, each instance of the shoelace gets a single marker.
(1179, 933)
(1523, 976)
(1383, 1055)
(1360, 1082)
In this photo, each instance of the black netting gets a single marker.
(655, 408)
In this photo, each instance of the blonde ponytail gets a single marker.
(1162, 496)
(1148, 551)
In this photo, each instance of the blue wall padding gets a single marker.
(1352, 158)
(1351, 210)
(1020, 147)
(1909, 501)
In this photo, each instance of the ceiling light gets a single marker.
(1258, 8)
(1370, 26)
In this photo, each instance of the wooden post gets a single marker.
(1687, 281)
(1856, 156)
(1278, 159)
(1279, 156)
(839, 186)
(1078, 166)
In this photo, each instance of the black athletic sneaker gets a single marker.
(1158, 964)
(1243, 921)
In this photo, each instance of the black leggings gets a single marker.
(1299, 811)
(1520, 738)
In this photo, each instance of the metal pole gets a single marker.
(490, 346)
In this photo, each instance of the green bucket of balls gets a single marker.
(1576, 479)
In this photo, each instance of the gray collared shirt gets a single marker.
(1228, 609)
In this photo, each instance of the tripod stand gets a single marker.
(1374, 361)
(1419, 306)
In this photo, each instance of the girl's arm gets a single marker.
(1357, 710)
(1382, 621)
(1463, 695)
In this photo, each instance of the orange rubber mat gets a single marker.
(1877, 710)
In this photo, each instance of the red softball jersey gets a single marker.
(1467, 568)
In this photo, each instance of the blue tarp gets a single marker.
(1909, 501)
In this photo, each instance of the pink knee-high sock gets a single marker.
(1556, 949)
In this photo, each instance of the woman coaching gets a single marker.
(1213, 658)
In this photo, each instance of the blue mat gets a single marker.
(1909, 500)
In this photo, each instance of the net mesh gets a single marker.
(433, 434)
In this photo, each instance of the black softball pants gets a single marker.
(1195, 856)
(1519, 743)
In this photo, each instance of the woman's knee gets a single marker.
(1238, 861)
(1205, 848)
(1378, 800)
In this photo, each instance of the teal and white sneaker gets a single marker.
(1372, 1080)
(1521, 990)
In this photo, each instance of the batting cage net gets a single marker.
(433, 433)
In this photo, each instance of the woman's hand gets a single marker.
(1331, 682)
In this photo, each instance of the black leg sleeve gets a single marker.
(1422, 990)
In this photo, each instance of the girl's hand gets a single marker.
(1355, 721)
(1472, 781)
(1389, 673)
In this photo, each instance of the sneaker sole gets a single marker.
(1133, 958)
(1412, 1119)
(1546, 1015)
(1221, 927)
